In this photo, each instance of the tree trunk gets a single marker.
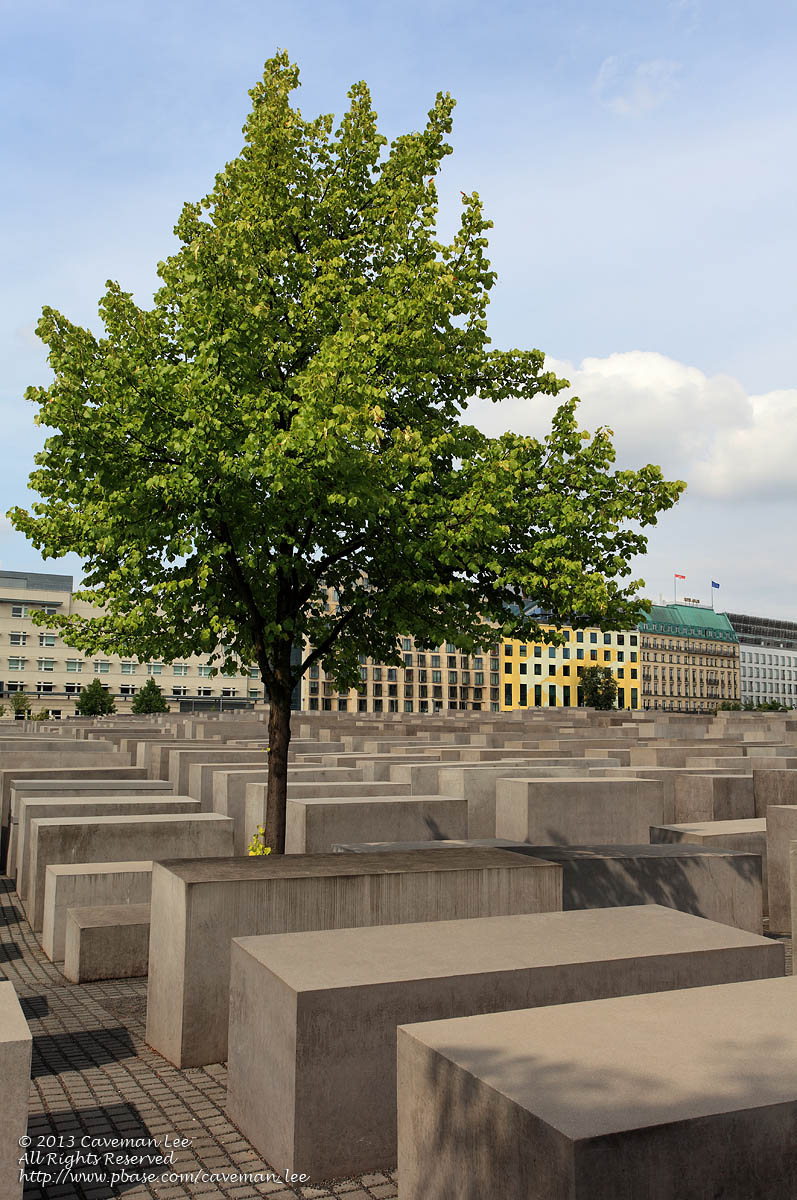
(279, 736)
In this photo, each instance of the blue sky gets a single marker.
(637, 159)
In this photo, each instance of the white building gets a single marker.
(38, 662)
(768, 659)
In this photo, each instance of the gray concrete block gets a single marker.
(16, 1047)
(88, 885)
(253, 810)
(677, 1095)
(198, 908)
(713, 798)
(781, 830)
(35, 807)
(748, 835)
(578, 811)
(720, 884)
(110, 942)
(102, 768)
(717, 884)
(324, 1103)
(773, 787)
(201, 776)
(313, 825)
(116, 839)
(479, 785)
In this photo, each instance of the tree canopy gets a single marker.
(149, 699)
(599, 687)
(94, 701)
(272, 455)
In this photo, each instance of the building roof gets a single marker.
(38, 581)
(765, 631)
(688, 620)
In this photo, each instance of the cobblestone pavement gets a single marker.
(93, 1076)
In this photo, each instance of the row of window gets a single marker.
(609, 639)
(777, 660)
(393, 706)
(125, 689)
(74, 666)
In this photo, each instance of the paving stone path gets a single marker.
(94, 1077)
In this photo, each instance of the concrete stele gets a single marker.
(679, 1095)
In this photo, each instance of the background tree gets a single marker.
(149, 699)
(20, 704)
(599, 687)
(272, 457)
(94, 701)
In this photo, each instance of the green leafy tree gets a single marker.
(149, 699)
(94, 701)
(20, 704)
(599, 686)
(271, 458)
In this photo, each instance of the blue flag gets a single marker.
(713, 584)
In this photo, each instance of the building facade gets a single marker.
(497, 678)
(690, 659)
(768, 659)
(535, 675)
(425, 682)
(36, 661)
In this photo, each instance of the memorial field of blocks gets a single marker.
(489, 935)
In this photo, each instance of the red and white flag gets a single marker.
(677, 576)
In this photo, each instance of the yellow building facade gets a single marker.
(534, 675)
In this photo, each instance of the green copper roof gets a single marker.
(688, 620)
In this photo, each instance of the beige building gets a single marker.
(690, 659)
(38, 662)
(425, 682)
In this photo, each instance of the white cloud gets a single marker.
(758, 459)
(704, 429)
(630, 87)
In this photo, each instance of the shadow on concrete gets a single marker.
(55, 1053)
(472, 1136)
(678, 875)
(436, 834)
(97, 1126)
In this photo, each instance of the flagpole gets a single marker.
(673, 590)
